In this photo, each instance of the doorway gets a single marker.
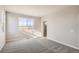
(45, 28)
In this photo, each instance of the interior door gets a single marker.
(2, 28)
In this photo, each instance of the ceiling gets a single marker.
(34, 10)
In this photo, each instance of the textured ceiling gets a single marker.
(35, 10)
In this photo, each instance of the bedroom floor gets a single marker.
(36, 45)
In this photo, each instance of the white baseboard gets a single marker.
(63, 43)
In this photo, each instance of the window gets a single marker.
(25, 24)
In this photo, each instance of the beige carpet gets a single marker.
(36, 45)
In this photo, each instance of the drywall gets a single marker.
(37, 24)
(12, 29)
(78, 27)
(34, 10)
(62, 26)
(11, 23)
(2, 28)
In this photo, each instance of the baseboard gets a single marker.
(63, 43)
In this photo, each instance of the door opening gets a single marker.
(45, 28)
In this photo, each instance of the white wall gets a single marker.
(11, 24)
(2, 28)
(62, 26)
(78, 27)
(37, 24)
